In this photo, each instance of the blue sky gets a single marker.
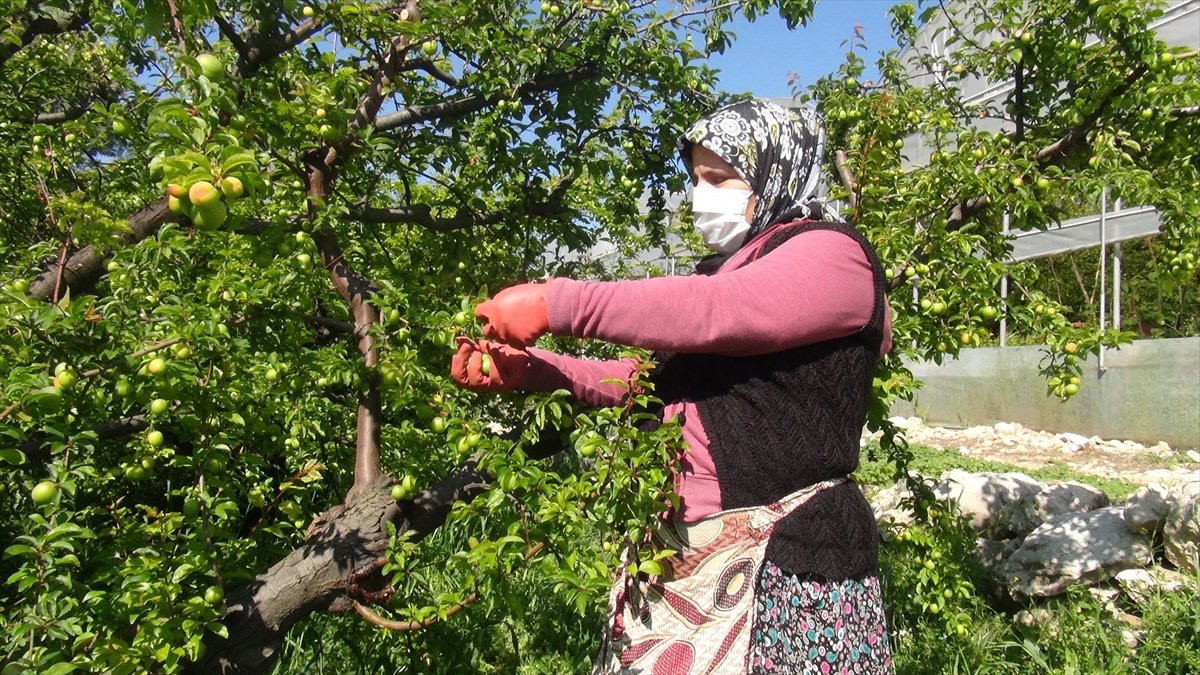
(765, 51)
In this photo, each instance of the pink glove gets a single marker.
(488, 366)
(516, 315)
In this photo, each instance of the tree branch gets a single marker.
(177, 26)
(848, 182)
(63, 116)
(85, 266)
(1189, 111)
(1054, 153)
(36, 449)
(431, 68)
(263, 48)
(318, 574)
(422, 214)
(467, 104)
(230, 33)
(44, 25)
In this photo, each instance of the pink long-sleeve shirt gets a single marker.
(814, 287)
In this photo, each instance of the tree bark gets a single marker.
(84, 267)
(343, 546)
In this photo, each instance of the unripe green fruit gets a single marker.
(135, 473)
(271, 375)
(69, 138)
(177, 190)
(158, 406)
(124, 388)
(304, 259)
(212, 67)
(191, 508)
(156, 366)
(485, 364)
(438, 424)
(213, 595)
(210, 217)
(398, 493)
(429, 48)
(44, 492)
(319, 112)
(232, 187)
(1071, 389)
(154, 438)
(176, 205)
(203, 193)
(64, 380)
(148, 463)
(307, 11)
(120, 127)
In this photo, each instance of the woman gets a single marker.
(768, 354)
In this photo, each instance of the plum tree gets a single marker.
(441, 174)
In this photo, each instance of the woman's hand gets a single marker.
(488, 366)
(516, 315)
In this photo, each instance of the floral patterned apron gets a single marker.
(696, 617)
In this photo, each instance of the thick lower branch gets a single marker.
(317, 574)
(84, 267)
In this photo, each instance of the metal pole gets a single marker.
(1116, 301)
(1004, 296)
(916, 308)
(1103, 269)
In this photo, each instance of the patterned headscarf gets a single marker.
(776, 150)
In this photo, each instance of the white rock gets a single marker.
(1162, 449)
(1146, 509)
(991, 553)
(1073, 442)
(1053, 500)
(987, 499)
(1193, 455)
(1140, 585)
(1006, 427)
(1074, 548)
(1181, 530)
(886, 505)
(906, 422)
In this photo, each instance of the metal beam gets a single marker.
(1083, 233)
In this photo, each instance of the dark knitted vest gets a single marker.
(780, 422)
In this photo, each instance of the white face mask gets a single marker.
(720, 215)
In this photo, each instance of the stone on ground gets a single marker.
(1074, 548)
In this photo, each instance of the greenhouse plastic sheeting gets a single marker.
(1081, 233)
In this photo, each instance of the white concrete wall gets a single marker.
(1149, 392)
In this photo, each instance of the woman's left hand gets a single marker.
(516, 315)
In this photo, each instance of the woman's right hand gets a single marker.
(481, 365)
